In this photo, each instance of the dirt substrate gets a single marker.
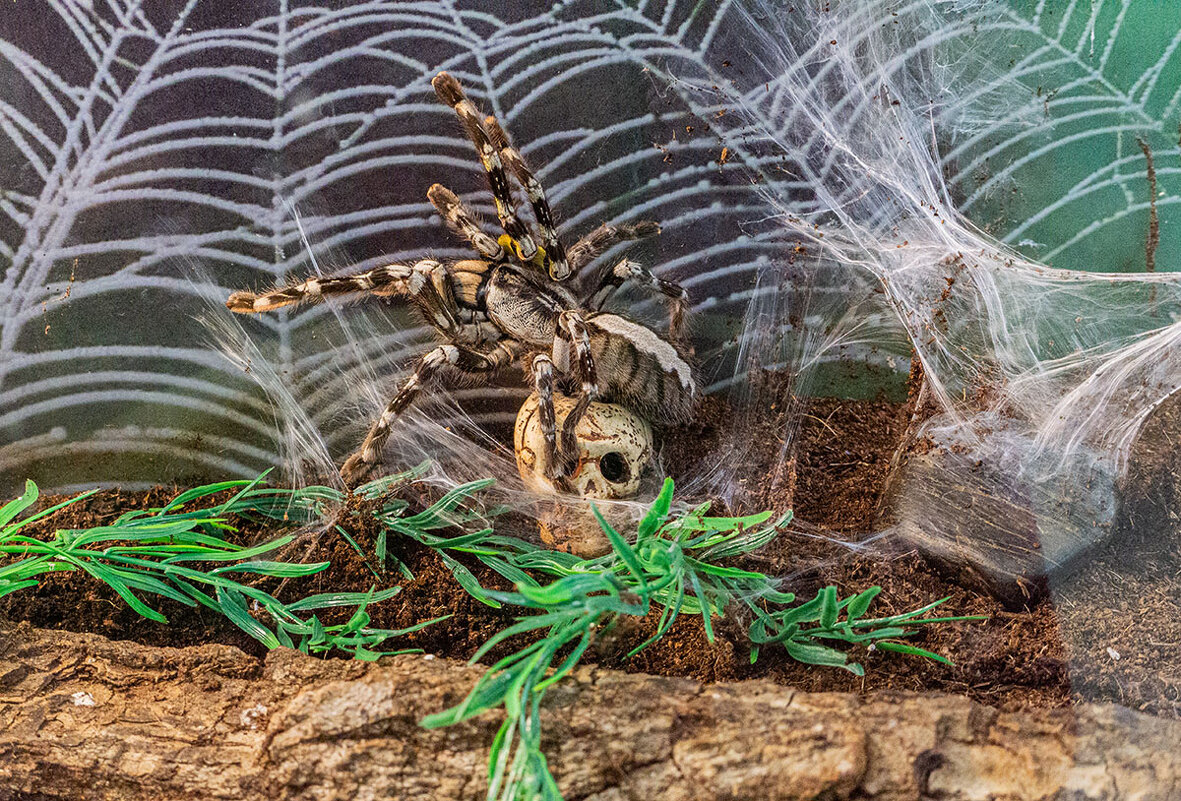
(1110, 632)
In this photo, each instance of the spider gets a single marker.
(525, 298)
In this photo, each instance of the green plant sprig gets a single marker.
(146, 552)
(674, 565)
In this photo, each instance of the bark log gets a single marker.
(82, 717)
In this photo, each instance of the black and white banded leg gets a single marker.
(598, 241)
(573, 335)
(543, 384)
(392, 279)
(451, 93)
(555, 255)
(473, 363)
(627, 270)
(425, 283)
(464, 223)
(389, 280)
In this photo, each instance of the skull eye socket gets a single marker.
(614, 467)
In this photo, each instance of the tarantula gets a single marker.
(518, 301)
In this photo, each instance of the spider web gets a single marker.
(1037, 381)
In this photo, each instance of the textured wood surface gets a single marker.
(82, 717)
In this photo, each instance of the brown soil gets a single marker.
(1049, 655)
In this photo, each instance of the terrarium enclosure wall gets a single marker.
(969, 204)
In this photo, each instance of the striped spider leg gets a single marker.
(573, 336)
(425, 283)
(428, 285)
(460, 219)
(606, 236)
(542, 368)
(612, 278)
(451, 93)
(554, 256)
(496, 152)
(477, 365)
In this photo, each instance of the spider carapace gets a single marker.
(527, 299)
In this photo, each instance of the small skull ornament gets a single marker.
(614, 449)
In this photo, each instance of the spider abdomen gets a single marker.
(641, 370)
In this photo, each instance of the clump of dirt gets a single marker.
(826, 458)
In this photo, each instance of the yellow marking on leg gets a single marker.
(539, 258)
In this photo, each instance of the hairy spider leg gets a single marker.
(426, 283)
(573, 334)
(391, 279)
(451, 93)
(591, 246)
(436, 299)
(464, 223)
(554, 254)
(627, 270)
(470, 362)
(543, 385)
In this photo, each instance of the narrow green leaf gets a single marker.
(469, 582)
(859, 604)
(109, 577)
(811, 654)
(913, 650)
(622, 549)
(335, 599)
(17, 505)
(233, 606)
(274, 569)
(47, 512)
(242, 492)
(903, 617)
(203, 491)
(283, 637)
(6, 587)
(657, 512)
(829, 609)
(380, 548)
(497, 755)
(234, 552)
(706, 611)
(487, 694)
(435, 515)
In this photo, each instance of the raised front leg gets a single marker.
(464, 223)
(450, 92)
(554, 256)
